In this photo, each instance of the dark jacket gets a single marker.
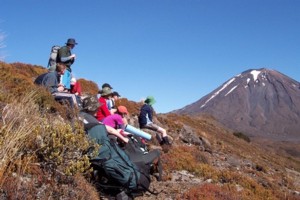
(64, 52)
(146, 112)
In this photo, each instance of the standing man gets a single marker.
(66, 57)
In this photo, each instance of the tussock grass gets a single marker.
(41, 150)
(19, 120)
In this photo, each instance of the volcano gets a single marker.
(257, 102)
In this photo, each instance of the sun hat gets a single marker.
(106, 85)
(122, 109)
(71, 41)
(150, 100)
(105, 91)
(90, 103)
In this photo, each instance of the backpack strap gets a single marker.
(159, 168)
(89, 126)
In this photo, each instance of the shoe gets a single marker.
(166, 140)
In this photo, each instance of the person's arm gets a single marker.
(120, 122)
(113, 131)
(67, 58)
(149, 112)
(65, 54)
(78, 88)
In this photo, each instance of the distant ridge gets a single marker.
(257, 102)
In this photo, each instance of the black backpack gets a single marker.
(139, 154)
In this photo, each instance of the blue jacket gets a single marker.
(146, 114)
(48, 80)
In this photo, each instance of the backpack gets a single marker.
(139, 154)
(113, 171)
(53, 56)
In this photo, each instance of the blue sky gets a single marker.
(175, 50)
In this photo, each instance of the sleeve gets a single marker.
(150, 113)
(78, 88)
(119, 121)
(51, 83)
(103, 110)
(64, 54)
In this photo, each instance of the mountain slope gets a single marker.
(259, 102)
(47, 158)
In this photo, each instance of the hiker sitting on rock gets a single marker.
(103, 109)
(90, 105)
(145, 121)
(111, 104)
(75, 87)
(50, 80)
(118, 120)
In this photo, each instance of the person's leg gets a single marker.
(71, 98)
(163, 137)
(63, 99)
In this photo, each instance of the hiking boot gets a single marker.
(166, 140)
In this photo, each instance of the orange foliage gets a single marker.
(211, 192)
(88, 87)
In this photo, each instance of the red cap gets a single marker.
(122, 109)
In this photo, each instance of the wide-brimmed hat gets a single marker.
(90, 103)
(106, 85)
(105, 91)
(71, 41)
(150, 100)
(122, 109)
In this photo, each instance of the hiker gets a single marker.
(118, 120)
(103, 109)
(75, 87)
(50, 80)
(90, 105)
(108, 100)
(122, 177)
(111, 104)
(65, 56)
(145, 121)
